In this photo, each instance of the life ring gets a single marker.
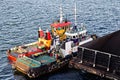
(29, 75)
(53, 66)
(49, 69)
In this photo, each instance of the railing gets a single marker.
(99, 60)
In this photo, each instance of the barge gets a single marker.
(100, 57)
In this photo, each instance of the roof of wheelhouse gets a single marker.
(63, 24)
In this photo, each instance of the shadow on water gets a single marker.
(62, 74)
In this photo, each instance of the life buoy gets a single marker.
(29, 75)
(53, 66)
(49, 69)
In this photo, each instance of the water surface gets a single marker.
(20, 19)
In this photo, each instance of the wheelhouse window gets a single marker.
(59, 28)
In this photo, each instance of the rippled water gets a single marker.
(20, 19)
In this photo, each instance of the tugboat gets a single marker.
(50, 52)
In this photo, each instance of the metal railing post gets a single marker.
(82, 55)
(109, 62)
(94, 59)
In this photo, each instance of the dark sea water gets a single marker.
(20, 19)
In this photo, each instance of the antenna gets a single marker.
(40, 29)
(75, 15)
(61, 14)
(66, 19)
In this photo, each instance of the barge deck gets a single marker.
(100, 57)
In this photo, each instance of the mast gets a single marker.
(61, 14)
(40, 29)
(75, 15)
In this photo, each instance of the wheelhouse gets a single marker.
(76, 32)
(59, 29)
(78, 35)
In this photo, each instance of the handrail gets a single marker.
(95, 54)
(99, 51)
